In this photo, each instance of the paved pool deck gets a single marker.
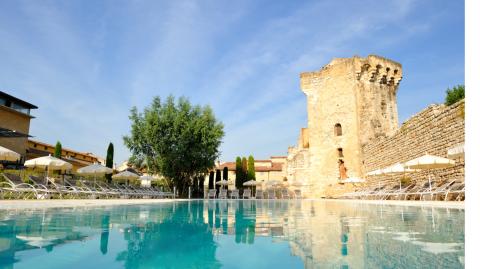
(443, 204)
(40, 204)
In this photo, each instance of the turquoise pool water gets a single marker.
(233, 234)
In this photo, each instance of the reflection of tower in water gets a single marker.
(344, 236)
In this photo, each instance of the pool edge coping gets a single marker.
(41, 204)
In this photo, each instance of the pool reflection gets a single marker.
(189, 234)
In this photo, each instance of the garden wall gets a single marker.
(434, 130)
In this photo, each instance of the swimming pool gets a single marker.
(234, 234)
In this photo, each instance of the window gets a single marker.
(338, 129)
(340, 152)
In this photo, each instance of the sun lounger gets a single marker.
(380, 195)
(297, 194)
(65, 190)
(212, 194)
(222, 194)
(369, 193)
(247, 193)
(258, 194)
(437, 190)
(42, 183)
(395, 195)
(90, 188)
(110, 190)
(271, 194)
(285, 194)
(417, 193)
(234, 194)
(135, 192)
(457, 190)
(125, 191)
(15, 188)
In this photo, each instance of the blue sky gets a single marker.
(86, 63)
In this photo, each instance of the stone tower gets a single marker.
(349, 102)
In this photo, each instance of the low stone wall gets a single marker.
(434, 130)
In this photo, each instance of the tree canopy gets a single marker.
(455, 94)
(175, 139)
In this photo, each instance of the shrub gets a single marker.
(454, 95)
(405, 181)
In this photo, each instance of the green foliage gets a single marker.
(175, 139)
(210, 180)
(405, 181)
(58, 150)
(251, 168)
(244, 170)
(225, 173)
(218, 177)
(454, 95)
(238, 173)
(109, 161)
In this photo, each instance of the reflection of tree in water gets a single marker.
(245, 221)
(181, 241)
(27, 232)
(105, 234)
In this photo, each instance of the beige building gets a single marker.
(350, 102)
(265, 170)
(77, 159)
(14, 123)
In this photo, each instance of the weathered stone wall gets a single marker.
(359, 96)
(434, 130)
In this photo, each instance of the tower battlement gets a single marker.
(378, 69)
(373, 68)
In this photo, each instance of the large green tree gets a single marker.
(175, 139)
(455, 94)
(251, 168)
(58, 150)
(109, 161)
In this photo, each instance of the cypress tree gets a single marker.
(251, 168)
(238, 173)
(201, 187)
(58, 150)
(109, 161)
(225, 175)
(210, 180)
(244, 170)
(218, 177)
